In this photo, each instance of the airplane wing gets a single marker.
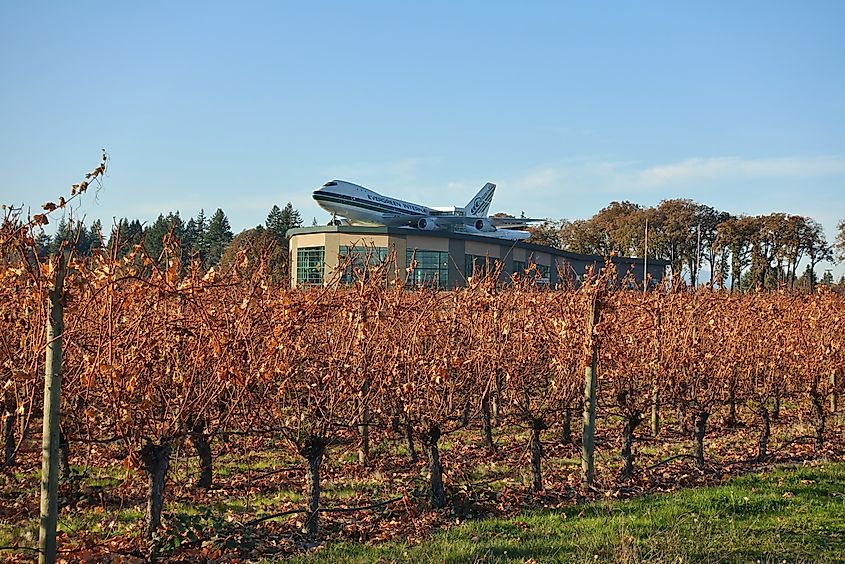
(513, 222)
(454, 219)
(469, 220)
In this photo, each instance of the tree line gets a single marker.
(208, 240)
(736, 251)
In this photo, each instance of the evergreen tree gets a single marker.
(43, 243)
(275, 223)
(153, 236)
(73, 234)
(84, 240)
(217, 237)
(808, 280)
(827, 279)
(124, 236)
(280, 220)
(290, 218)
(61, 236)
(200, 244)
(190, 237)
(201, 222)
(164, 225)
(96, 235)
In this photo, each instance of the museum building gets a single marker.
(323, 255)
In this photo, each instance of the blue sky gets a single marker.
(565, 105)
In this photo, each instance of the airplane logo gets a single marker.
(361, 206)
(481, 203)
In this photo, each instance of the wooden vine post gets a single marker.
(50, 433)
(655, 387)
(588, 440)
(364, 389)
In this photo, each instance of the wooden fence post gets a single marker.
(363, 391)
(588, 439)
(50, 432)
(655, 386)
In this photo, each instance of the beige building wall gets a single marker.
(483, 249)
(428, 243)
(309, 240)
(399, 244)
(350, 240)
(332, 249)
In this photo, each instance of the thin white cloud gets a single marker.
(582, 176)
(571, 177)
(453, 187)
(697, 169)
(538, 179)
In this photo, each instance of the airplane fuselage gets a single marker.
(361, 206)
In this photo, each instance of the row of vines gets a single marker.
(159, 354)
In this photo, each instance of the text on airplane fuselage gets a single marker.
(397, 204)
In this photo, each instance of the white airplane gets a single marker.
(360, 206)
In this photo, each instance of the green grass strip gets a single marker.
(786, 515)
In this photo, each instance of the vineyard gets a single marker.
(207, 413)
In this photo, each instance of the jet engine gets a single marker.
(427, 224)
(484, 225)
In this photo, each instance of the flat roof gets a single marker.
(405, 231)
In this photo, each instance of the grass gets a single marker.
(104, 523)
(93, 518)
(230, 464)
(793, 514)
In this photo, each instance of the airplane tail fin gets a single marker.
(478, 206)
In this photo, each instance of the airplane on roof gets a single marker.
(360, 206)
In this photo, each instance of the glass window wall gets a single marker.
(310, 262)
(479, 266)
(357, 261)
(428, 268)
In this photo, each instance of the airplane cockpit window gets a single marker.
(332, 183)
